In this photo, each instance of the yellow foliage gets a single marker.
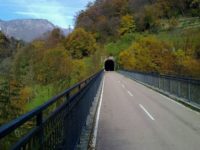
(79, 71)
(52, 65)
(80, 43)
(127, 60)
(148, 54)
(127, 25)
(25, 96)
(186, 64)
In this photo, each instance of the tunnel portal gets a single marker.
(109, 65)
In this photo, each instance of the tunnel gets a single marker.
(109, 65)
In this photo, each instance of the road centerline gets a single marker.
(148, 114)
(130, 93)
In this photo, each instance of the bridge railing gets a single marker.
(55, 125)
(185, 88)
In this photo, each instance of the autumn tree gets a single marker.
(80, 43)
(54, 38)
(148, 54)
(186, 65)
(127, 25)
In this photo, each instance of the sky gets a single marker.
(59, 12)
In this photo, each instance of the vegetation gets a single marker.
(143, 35)
(159, 36)
(80, 43)
(149, 36)
(41, 69)
(105, 18)
(44, 68)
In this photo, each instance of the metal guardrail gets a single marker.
(55, 125)
(185, 88)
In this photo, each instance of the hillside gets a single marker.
(103, 17)
(150, 36)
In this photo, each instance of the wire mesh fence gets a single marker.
(58, 123)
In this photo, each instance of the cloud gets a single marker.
(52, 10)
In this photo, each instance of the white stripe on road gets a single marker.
(97, 118)
(130, 93)
(150, 116)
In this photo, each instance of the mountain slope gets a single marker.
(26, 30)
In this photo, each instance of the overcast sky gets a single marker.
(59, 12)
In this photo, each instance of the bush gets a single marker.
(148, 54)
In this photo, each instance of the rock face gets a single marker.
(26, 30)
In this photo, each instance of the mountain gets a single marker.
(27, 29)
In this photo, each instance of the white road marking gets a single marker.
(130, 93)
(150, 116)
(164, 96)
(123, 85)
(97, 118)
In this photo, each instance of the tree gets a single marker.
(4, 46)
(80, 43)
(127, 60)
(127, 25)
(195, 7)
(148, 54)
(54, 38)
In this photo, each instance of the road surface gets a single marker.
(134, 117)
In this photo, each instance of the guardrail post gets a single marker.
(189, 91)
(179, 88)
(67, 96)
(170, 86)
(39, 121)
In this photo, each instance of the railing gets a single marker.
(55, 125)
(186, 89)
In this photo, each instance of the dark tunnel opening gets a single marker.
(109, 65)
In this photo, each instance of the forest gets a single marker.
(160, 36)
(31, 73)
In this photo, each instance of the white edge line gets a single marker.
(97, 118)
(130, 93)
(150, 116)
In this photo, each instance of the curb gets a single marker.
(91, 145)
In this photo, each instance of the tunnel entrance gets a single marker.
(109, 65)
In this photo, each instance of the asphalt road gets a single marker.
(134, 117)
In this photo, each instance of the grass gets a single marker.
(41, 95)
(179, 38)
(114, 48)
(183, 23)
(189, 22)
